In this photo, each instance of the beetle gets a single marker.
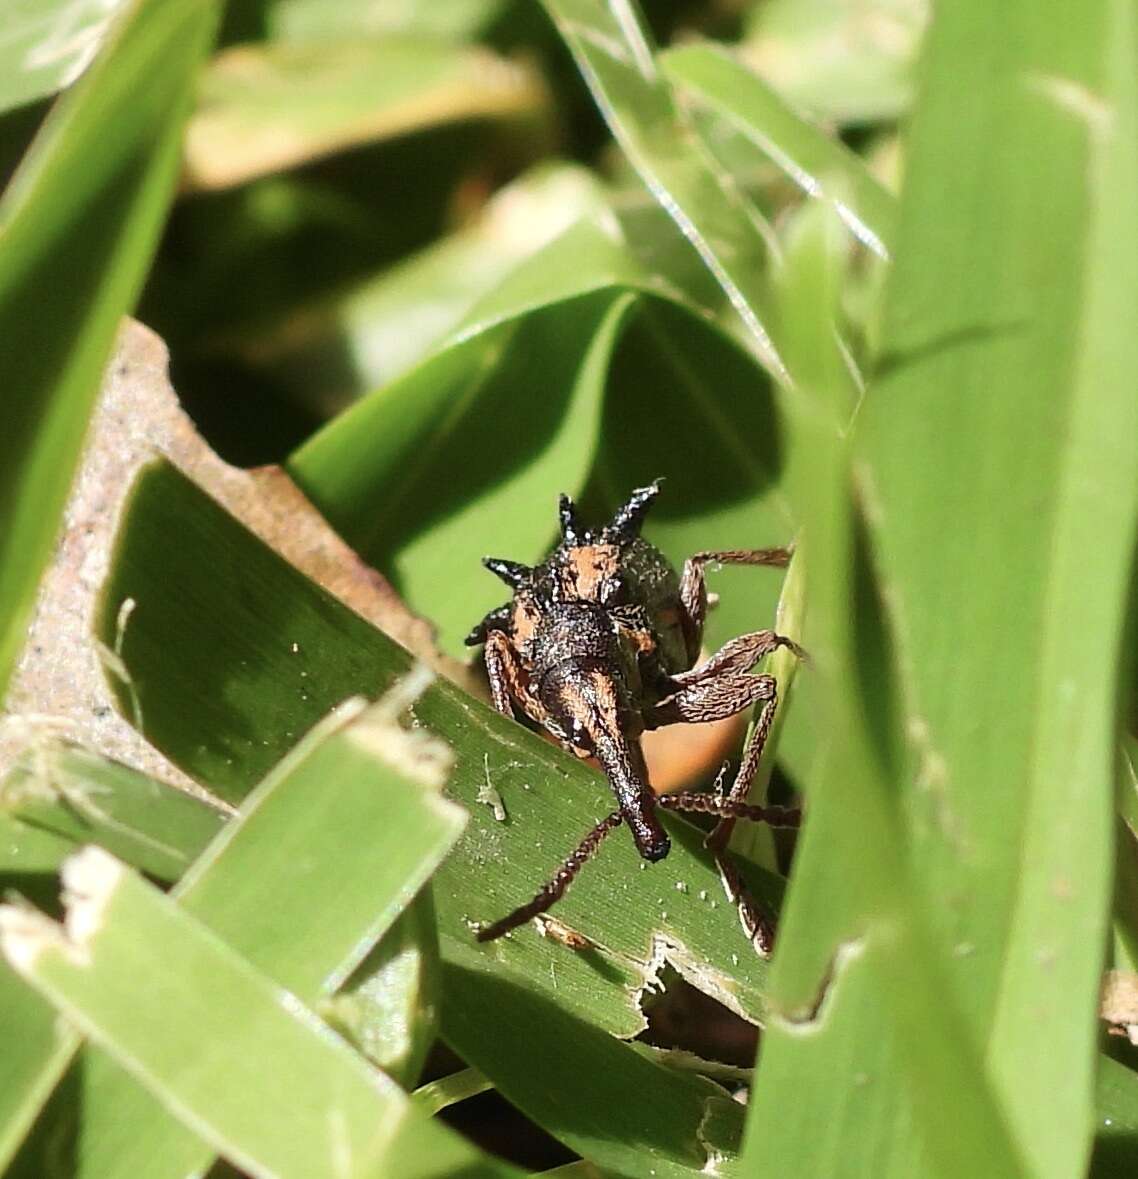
(601, 642)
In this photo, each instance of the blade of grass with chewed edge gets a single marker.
(56, 795)
(283, 886)
(150, 983)
(1006, 554)
(79, 221)
(862, 1006)
(612, 50)
(822, 167)
(229, 610)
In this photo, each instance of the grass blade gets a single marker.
(285, 888)
(48, 44)
(37, 1050)
(811, 159)
(863, 1026)
(611, 47)
(267, 107)
(79, 222)
(851, 64)
(319, 1108)
(77, 796)
(976, 345)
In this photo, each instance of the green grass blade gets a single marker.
(286, 888)
(850, 63)
(863, 1029)
(613, 53)
(151, 983)
(79, 223)
(312, 20)
(1021, 732)
(270, 106)
(37, 1050)
(336, 350)
(822, 167)
(438, 1095)
(388, 1008)
(83, 798)
(638, 1118)
(301, 900)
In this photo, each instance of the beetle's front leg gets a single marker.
(693, 584)
(509, 680)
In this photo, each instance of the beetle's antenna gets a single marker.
(572, 533)
(511, 572)
(555, 889)
(626, 524)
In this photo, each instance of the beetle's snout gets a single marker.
(653, 846)
(587, 703)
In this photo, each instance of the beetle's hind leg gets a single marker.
(717, 688)
(757, 922)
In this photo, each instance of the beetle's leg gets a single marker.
(509, 680)
(738, 655)
(756, 921)
(702, 803)
(714, 698)
(721, 690)
(721, 687)
(552, 892)
(693, 585)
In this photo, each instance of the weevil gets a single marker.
(600, 642)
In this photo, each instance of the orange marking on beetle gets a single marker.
(525, 620)
(590, 566)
